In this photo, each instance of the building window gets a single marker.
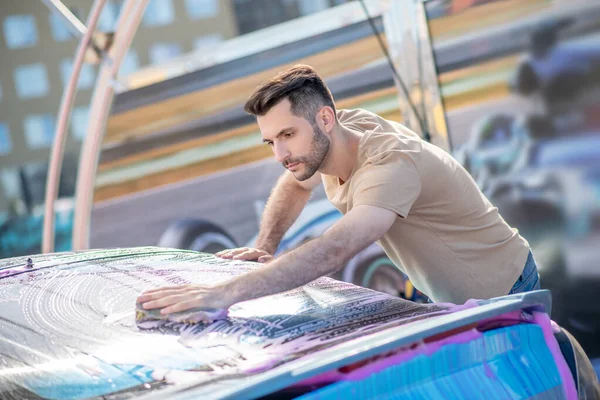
(58, 25)
(159, 13)
(86, 76)
(207, 41)
(10, 183)
(79, 122)
(259, 14)
(108, 17)
(39, 130)
(307, 7)
(161, 52)
(5, 141)
(130, 63)
(31, 81)
(20, 31)
(202, 9)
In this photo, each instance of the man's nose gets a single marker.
(281, 152)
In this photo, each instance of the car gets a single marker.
(68, 330)
(370, 268)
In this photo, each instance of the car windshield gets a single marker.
(568, 152)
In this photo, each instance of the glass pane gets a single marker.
(5, 141)
(130, 63)
(10, 183)
(199, 9)
(108, 17)
(86, 76)
(159, 13)
(20, 31)
(39, 130)
(79, 121)
(59, 29)
(311, 6)
(161, 52)
(207, 41)
(31, 81)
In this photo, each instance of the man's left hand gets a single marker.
(185, 297)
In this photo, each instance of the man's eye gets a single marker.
(288, 135)
(270, 144)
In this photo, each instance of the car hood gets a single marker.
(67, 324)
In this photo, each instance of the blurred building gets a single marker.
(252, 15)
(36, 53)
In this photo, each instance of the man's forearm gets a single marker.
(283, 207)
(317, 258)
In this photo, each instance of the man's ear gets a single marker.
(326, 116)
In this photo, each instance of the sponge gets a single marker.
(191, 316)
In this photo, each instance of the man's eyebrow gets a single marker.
(281, 132)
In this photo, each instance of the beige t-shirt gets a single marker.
(448, 238)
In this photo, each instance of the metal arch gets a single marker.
(129, 19)
(407, 32)
(73, 23)
(64, 115)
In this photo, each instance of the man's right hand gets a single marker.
(246, 253)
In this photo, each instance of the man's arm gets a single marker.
(359, 228)
(286, 202)
(287, 199)
(362, 226)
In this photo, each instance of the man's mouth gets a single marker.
(292, 166)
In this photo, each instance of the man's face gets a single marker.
(298, 145)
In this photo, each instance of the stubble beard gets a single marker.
(319, 148)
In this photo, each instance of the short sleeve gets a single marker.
(392, 182)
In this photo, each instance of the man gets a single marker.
(411, 197)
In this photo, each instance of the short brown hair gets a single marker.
(301, 84)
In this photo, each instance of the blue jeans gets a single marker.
(529, 279)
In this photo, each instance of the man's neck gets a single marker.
(343, 149)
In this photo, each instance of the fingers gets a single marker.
(165, 301)
(250, 254)
(145, 297)
(162, 289)
(265, 259)
(242, 253)
(184, 306)
(160, 293)
(229, 253)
